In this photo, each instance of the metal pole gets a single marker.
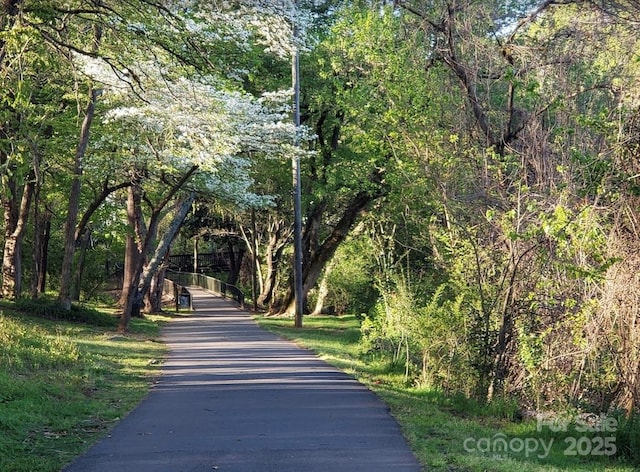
(254, 261)
(297, 193)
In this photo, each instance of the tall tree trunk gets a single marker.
(15, 220)
(323, 289)
(195, 254)
(235, 263)
(74, 201)
(144, 276)
(131, 254)
(10, 216)
(84, 245)
(132, 248)
(42, 234)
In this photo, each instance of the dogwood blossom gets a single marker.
(172, 122)
(186, 122)
(268, 23)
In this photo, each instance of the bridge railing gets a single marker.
(179, 293)
(211, 284)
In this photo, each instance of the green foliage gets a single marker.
(440, 332)
(352, 81)
(350, 279)
(432, 339)
(380, 335)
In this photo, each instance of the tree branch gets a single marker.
(537, 12)
(403, 4)
(95, 204)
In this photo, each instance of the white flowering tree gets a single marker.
(181, 139)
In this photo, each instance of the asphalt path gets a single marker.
(233, 397)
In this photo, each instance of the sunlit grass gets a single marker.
(446, 432)
(64, 385)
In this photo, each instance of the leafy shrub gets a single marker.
(429, 335)
(350, 281)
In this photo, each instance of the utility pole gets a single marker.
(254, 261)
(295, 164)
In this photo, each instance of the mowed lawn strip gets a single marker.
(63, 384)
(446, 432)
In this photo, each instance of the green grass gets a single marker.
(449, 433)
(64, 384)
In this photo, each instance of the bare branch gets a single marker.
(537, 12)
(403, 4)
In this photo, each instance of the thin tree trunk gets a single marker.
(235, 263)
(8, 256)
(132, 248)
(42, 234)
(84, 245)
(195, 254)
(323, 289)
(74, 201)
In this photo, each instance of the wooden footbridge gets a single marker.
(219, 261)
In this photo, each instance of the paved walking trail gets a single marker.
(235, 398)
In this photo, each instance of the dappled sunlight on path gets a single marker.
(233, 397)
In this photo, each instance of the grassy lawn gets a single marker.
(454, 433)
(64, 384)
